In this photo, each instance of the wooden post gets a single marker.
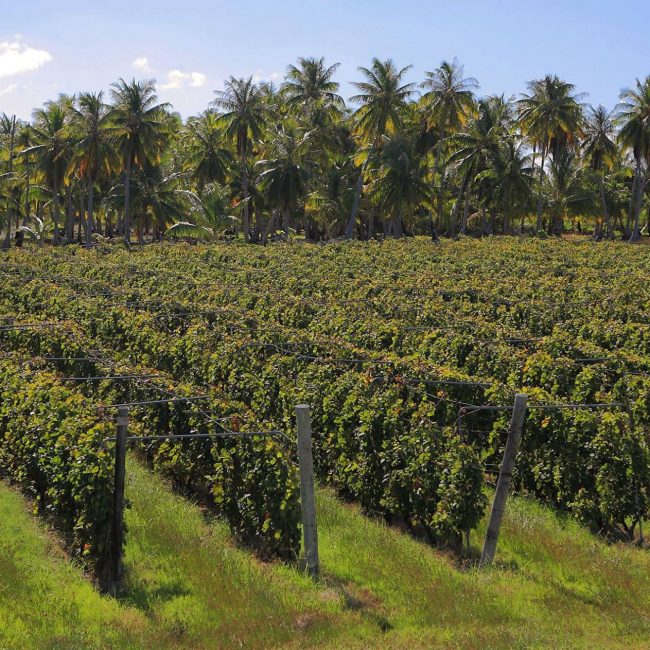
(505, 476)
(307, 501)
(639, 516)
(117, 533)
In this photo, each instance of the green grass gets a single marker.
(189, 586)
(46, 602)
(554, 584)
(189, 577)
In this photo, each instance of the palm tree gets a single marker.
(51, 150)
(328, 201)
(157, 200)
(566, 189)
(311, 83)
(140, 129)
(24, 142)
(207, 159)
(285, 175)
(474, 147)
(401, 184)
(244, 119)
(551, 117)
(8, 130)
(208, 215)
(600, 150)
(507, 182)
(448, 103)
(633, 113)
(383, 97)
(94, 154)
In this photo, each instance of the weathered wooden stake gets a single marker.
(307, 501)
(639, 516)
(117, 532)
(505, 476)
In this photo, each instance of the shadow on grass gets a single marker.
(144, 596)
(470, 559)
(359, 600)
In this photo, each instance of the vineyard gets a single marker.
(409, 354)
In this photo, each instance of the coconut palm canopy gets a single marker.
(399, 157)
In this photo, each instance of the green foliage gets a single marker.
(385, 342)
(51, 446)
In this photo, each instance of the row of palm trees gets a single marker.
(400, 158)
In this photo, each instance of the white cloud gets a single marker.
(178, 79)
(16, 57)
(8, 89)
(198, 79)
(262, 76)
(142, 64)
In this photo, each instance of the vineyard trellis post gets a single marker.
(505, 476)
(639, 515)
(117, 533)
(307, 500)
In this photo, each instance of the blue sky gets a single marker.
(190, 47)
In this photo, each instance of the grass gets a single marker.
(554, 584)
(45, 601)
(189, 577)
(189, 586)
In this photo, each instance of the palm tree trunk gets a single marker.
(399, 226)
(484, 222)
(441, 196)
(534, 158)
(508, 216)
(636, 233)
(57, 215)
(436, 164)
(459, 200)
(539, 191)
(287, 214)
(607, 218)
(28, 188)
(109, 224)
(258, 224)
(127, 197)
(463, 223)
(10, 168)
(82, 218)
(20, 235)
(349, 230)
(91, 197)
(269, 226)
(245, 191)
(630, 212)
(371, 224)
(441, 190)
(69, 219)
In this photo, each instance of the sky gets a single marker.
(191, 46)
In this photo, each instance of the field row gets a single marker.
(395, 346)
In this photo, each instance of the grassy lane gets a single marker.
(189, 586)
(46, 602)
(555, 585)
(186, 574)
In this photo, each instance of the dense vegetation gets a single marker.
(51, 447)
(391, 343)
(399, 158)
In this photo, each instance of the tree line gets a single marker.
(399, 158)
